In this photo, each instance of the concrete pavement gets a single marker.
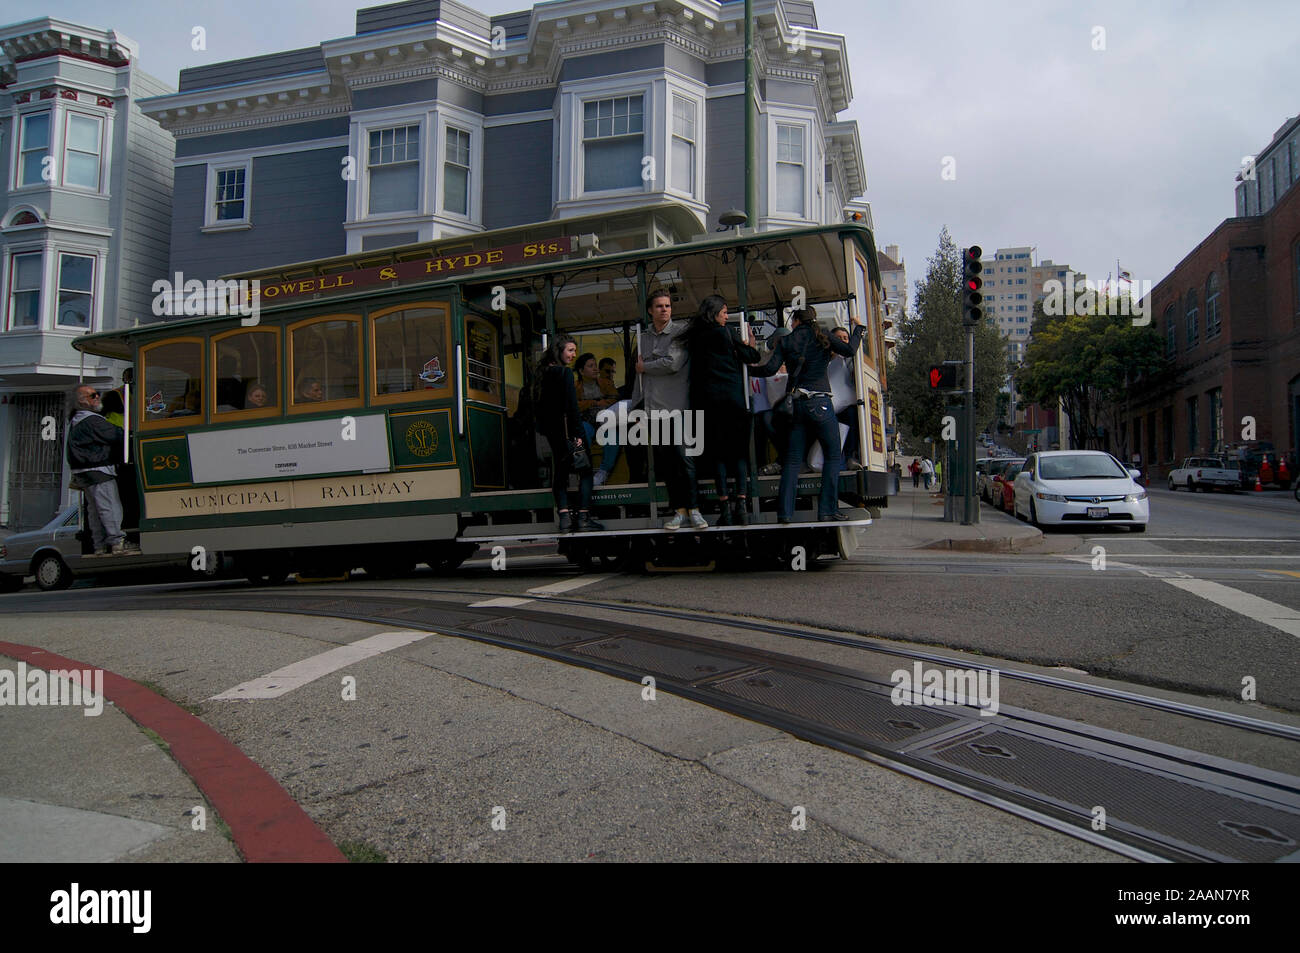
(914, 520)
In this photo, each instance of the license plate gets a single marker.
(1098, 512)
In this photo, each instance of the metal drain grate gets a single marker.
(651, 658)
(529, 630)
(848, 709)
(1133, 798)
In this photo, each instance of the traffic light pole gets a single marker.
(968, 445)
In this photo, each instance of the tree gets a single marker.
(1092, 362)
(932, 334)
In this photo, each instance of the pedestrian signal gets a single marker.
(943, 376)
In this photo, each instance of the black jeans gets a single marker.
(726, 435)
(849, 417)
(561, 468)
(676, 471)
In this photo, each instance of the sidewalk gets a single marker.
(914, 520)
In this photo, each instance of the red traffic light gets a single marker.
(943, 377)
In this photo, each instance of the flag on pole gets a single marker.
(1124, 275)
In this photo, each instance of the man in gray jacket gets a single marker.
(664, 378)
(94, 447)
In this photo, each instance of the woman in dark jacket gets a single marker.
(718, 356)
(806, 351)
(557, 418)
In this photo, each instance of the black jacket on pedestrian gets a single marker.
(717, 355)
(557, 402)
(805, 359)
(93, 442)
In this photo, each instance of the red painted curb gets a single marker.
(267, 824)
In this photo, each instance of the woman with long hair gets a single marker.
(718, 356)
(556, 400)
(806, 351)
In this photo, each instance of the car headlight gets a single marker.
(1137, 497)
(1051, 497)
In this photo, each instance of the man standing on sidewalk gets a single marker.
(94, 447)
(927, 471)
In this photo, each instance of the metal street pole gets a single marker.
(751, 122)
(968, 450)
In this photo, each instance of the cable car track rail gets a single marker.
(1161, 802)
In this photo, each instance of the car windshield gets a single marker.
(1081, 466)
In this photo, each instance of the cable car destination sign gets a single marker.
(434, 266)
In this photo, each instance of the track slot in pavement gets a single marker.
(1159, 801)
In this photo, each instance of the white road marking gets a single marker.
(1197, 556)
(1252, 607)
(501, 602)
(286, 679)
(565, 585)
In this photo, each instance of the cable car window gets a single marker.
(246, 371)
(325, 363)
(483, 361)
(172, 372)
(410, 354)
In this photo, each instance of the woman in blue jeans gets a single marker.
(807, 351)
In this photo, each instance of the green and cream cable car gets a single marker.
(376, 411)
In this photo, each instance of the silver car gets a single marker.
(53, 554)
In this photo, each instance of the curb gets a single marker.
(268, 826)
(1006, 544)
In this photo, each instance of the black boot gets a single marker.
(566, 522)
(588, 525)
(724, 512)
(740, 516)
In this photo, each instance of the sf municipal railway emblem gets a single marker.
(422, 438)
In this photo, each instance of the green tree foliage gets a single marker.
(1092, 362)
(932, 334)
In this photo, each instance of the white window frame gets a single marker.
(364, 122)
(91, 323)
(674, 136)
(49, 113)
(656, 88)
(210, 221)
(445, 118)
(646, 118)
(68, 116)
(423, 170)
(787, 116)
(448, 163)
(11, 275)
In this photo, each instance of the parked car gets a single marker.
(1205, 473)
(1060, 487)
(56, 556)
(1005, 488)
(984, 482)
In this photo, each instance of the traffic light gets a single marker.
(972, 312)
(943, 377)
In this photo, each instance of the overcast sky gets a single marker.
(1088, 155)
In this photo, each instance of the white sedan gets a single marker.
(1060, 487)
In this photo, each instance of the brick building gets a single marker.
(1230, 317)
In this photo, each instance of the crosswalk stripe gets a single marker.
(1251, 606)
(284, 680)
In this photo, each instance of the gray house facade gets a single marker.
(85, 220)
(435, 120)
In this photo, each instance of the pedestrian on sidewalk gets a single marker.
(927, 471)
(914, 468)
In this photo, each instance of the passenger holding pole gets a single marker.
(807, 352)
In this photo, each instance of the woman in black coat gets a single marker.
(718, 357)
(556, 401)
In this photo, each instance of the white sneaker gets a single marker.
(698, 521)
(600, 478)
(674, 522)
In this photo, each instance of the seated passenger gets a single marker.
(595, 393)
(310, 391)
(187, 404)
(256, 397)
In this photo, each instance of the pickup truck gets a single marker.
(1204, 473)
